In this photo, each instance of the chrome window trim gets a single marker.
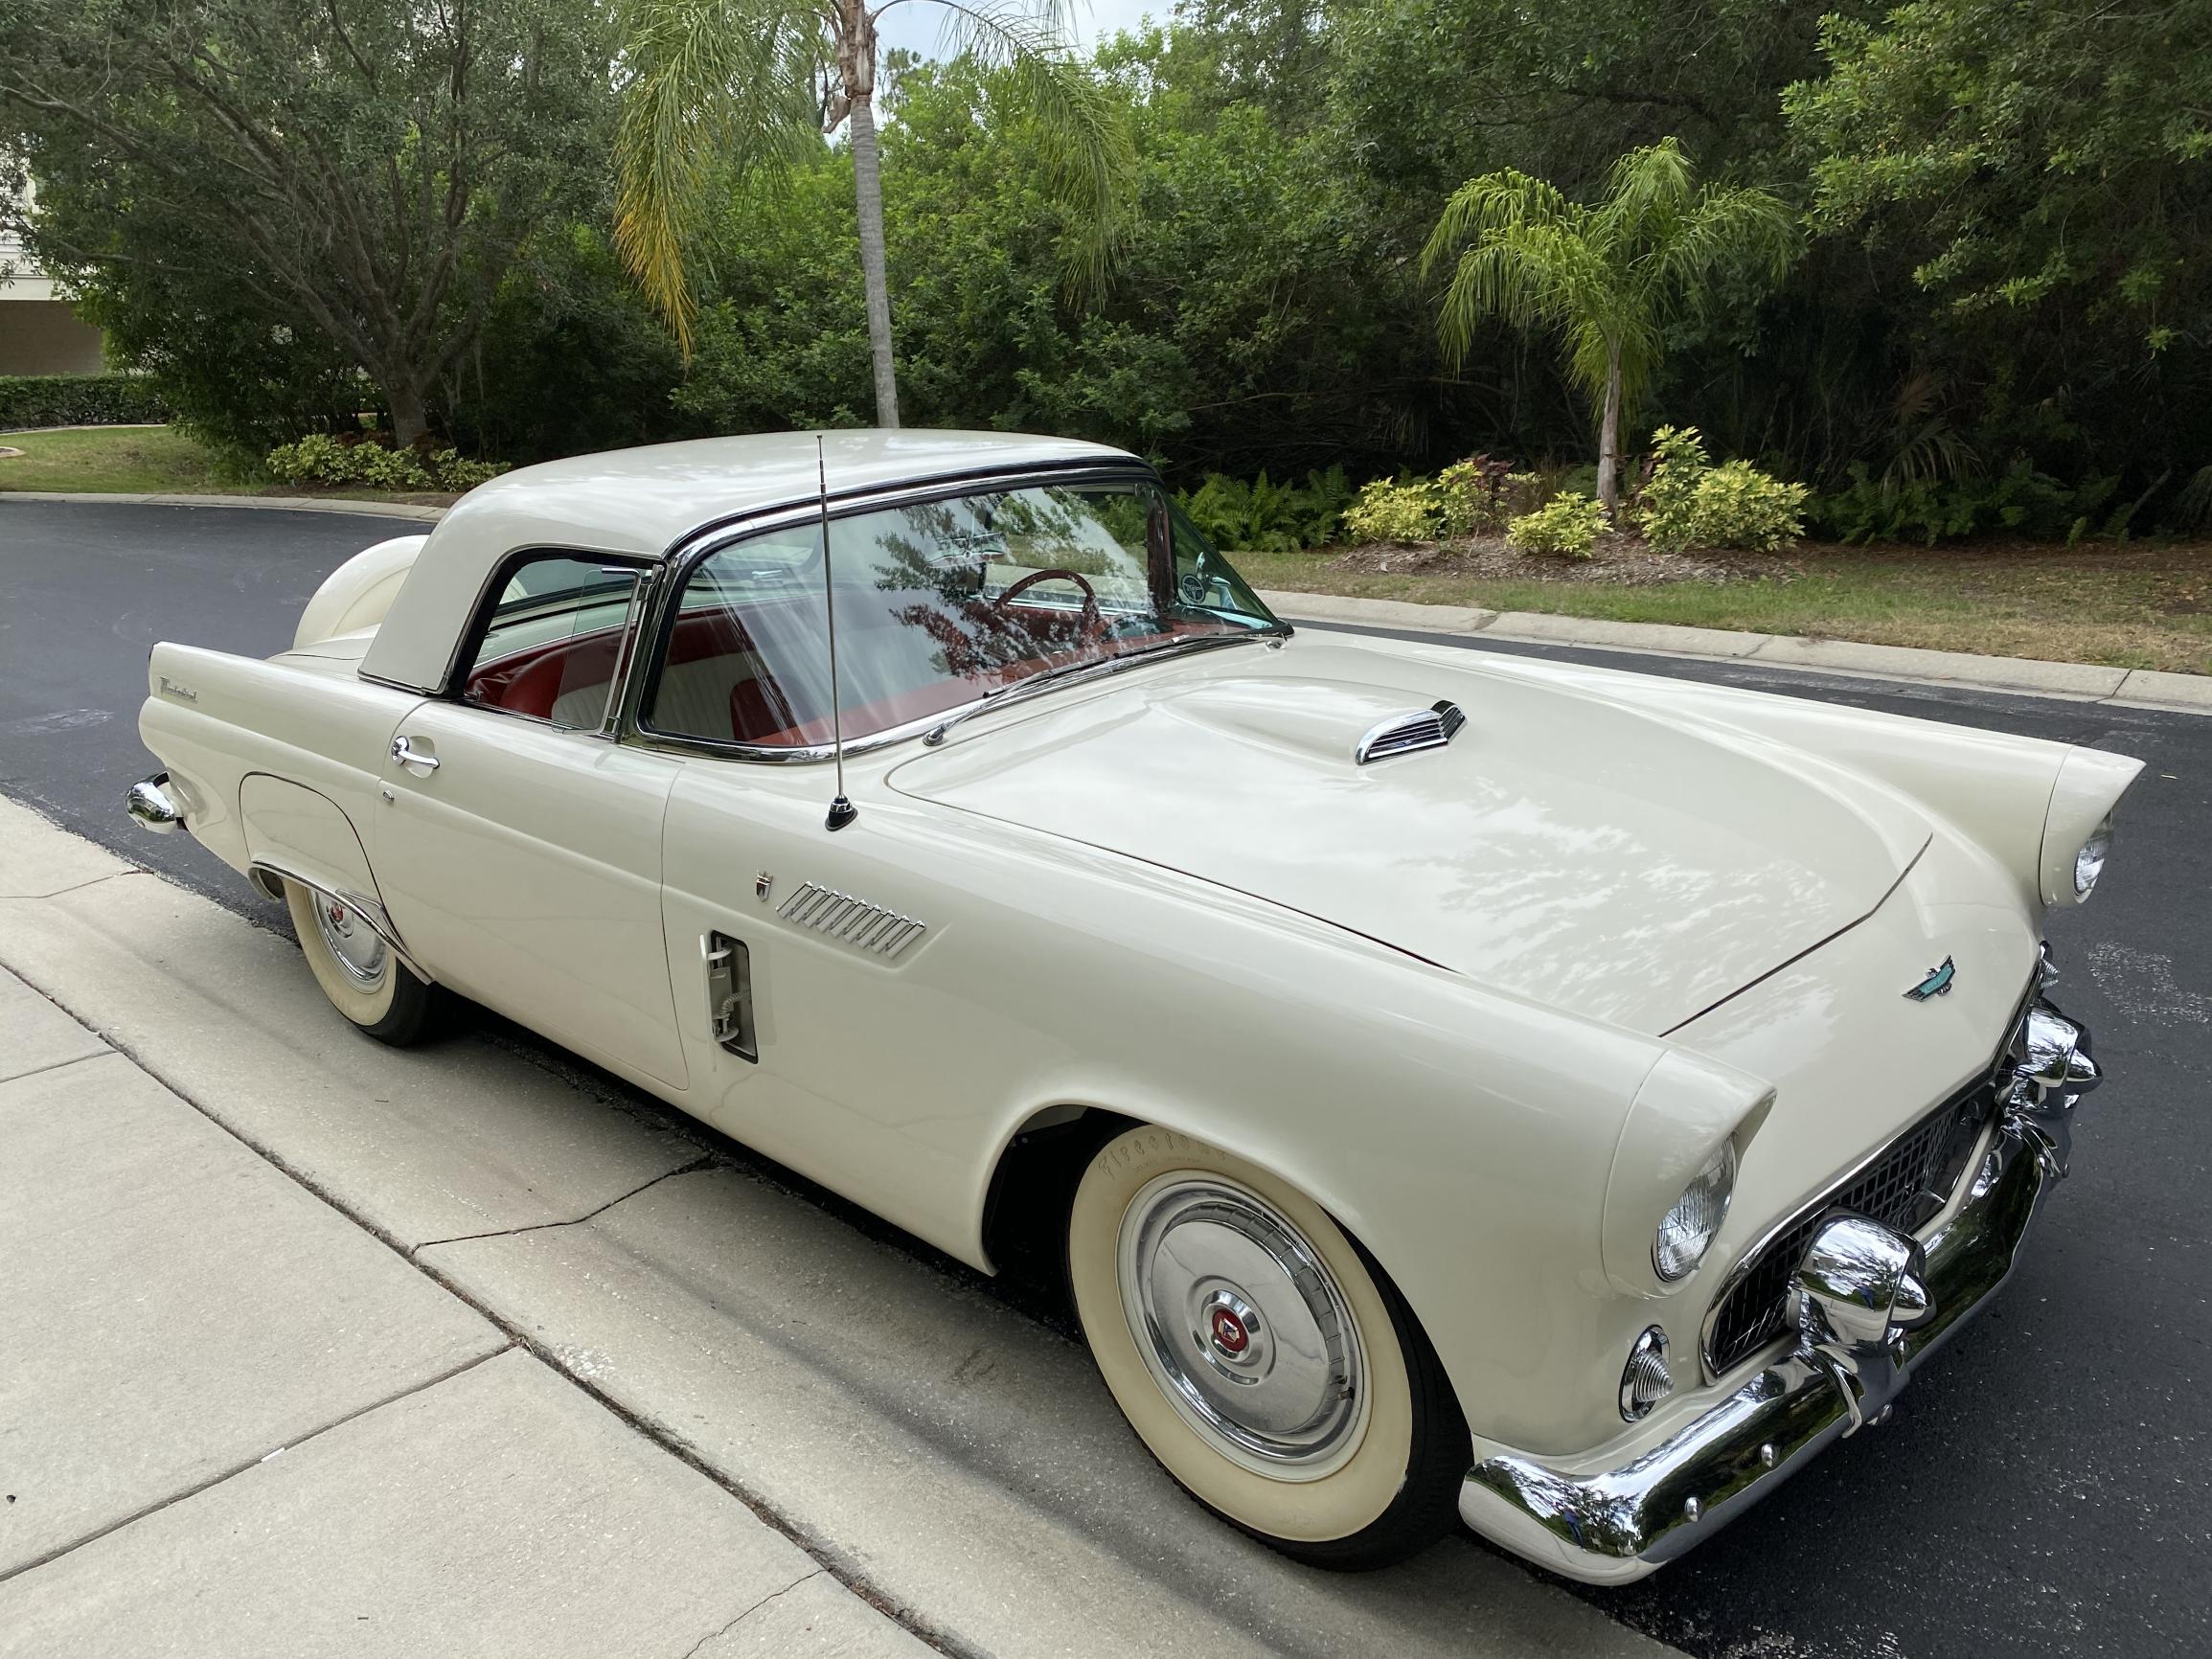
(1740, 1267)
(502, 570)
(703, 544)
(634, 621)
(935, 486)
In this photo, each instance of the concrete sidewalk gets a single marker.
(233, 1421)
(524, 1335)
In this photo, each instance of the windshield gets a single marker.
(939, 602)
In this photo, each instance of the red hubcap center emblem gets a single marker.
(1229, 1333)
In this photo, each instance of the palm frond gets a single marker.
(1742, 228)
(1088, 157)
(1649, 193)
(1528, 275)
(1496, 202)
(728, 83)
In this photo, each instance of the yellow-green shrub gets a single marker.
(1566, 526)
(319, 457)
(1393, 510)
(1691, 503)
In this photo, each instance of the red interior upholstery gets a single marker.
(531, 681)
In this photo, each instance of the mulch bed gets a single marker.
(1616, 560)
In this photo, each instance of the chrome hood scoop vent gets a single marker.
(1429, 728)
(1600, 855)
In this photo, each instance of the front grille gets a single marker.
(1903, 1188)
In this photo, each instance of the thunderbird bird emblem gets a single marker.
(1936, 983)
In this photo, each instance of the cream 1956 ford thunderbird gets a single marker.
(1455, 1085)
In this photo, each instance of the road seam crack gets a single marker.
(772, 1595)
(703, 1162)
(57, 1065)
(254, 1461)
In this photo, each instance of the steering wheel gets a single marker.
(1093, 621)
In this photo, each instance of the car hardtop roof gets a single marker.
(646, 503)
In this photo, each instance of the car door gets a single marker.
(827, 1047)
(518, 845)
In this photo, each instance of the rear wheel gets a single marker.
(357, 971)
(1268, 1365)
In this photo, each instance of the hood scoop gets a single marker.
(1429, 728)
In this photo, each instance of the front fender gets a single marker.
(2027, 802)
(1466, 1137)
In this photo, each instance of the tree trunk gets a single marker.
(410, 413)
(857, 54)
(1609, 439)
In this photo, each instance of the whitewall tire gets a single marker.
(357, 971)
(1261, 1357)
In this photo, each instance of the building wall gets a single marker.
(44, 337)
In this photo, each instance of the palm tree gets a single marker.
(743, 83)
(1609, 276)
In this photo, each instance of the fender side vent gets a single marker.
(854, 921)
(1429, 728)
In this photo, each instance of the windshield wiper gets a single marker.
(1045, 680)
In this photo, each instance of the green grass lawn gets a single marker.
(143, 461)
(2128, 605)
(111, 460)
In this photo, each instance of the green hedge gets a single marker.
(78, 401)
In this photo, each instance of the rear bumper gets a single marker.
(155, 804)
(1611, 1525)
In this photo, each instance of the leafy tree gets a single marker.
(571, 360)
(732, 82)
(2028, 154)
(361, 174)
(1609, 276)
(2037, 176)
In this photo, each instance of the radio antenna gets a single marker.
(841, 810)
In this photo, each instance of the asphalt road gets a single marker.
(2040, 1489)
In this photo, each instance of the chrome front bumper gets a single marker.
(1869, 1306)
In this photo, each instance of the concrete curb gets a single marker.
(266, 503)
(2078, 682)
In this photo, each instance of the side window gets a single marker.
(554, 645)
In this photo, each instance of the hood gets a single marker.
(1626, 864)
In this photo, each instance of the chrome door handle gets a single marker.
(403, 752)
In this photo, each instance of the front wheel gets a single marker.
(1269, 1366)
(357, 971)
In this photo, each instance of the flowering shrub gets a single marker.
(1566, 526)
(319, 457)
(1691, 503)
(1391, 510)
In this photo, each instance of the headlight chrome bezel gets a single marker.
(1687, 1230)
(2090, 858)
(1646, 1379)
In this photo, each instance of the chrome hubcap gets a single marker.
(354, 945)
(1244, 1327)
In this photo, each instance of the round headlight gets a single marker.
(2089, 861)
(1687, 1232)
